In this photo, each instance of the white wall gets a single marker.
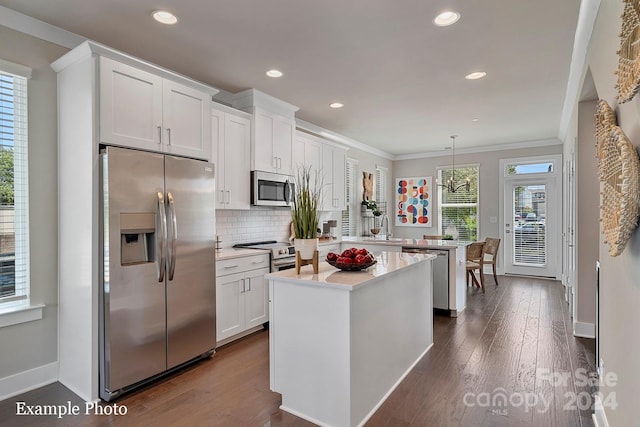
(29, 345)
(588, 221)
(619, 276)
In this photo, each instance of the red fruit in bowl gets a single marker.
(361, 259)
(371, 257)
(362, 251)
(344, 260)
(347, 253)
(332, 256)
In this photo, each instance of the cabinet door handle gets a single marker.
(230, 266)
(228, 197)
(243, 287)
(168, 136)
(258, 262)
(159, 134)
(221, 201)
(275, 162)
(279, 163)
(249, 287)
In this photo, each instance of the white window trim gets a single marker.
(22, 314)
(477, 204)
(19, 309)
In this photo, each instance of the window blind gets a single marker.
(458, 211)
(349, 214)
(14, 200)
(381, 185)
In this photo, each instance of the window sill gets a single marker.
(21, 314)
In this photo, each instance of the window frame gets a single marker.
(441, 205)
(17, 308)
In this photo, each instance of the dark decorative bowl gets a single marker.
(351, 267)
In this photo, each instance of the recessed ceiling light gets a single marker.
(475, 75)
(475, 120)
(446, 18)
(336, 105)
(164, 17)
(274, 73)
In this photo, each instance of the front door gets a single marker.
(531, 224)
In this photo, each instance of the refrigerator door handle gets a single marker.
(161, 230)
(174, 235)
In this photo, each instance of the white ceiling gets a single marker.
(400, 77)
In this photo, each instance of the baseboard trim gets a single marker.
(584, 330)
(22, 382)
(599, 417)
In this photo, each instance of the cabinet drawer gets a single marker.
(237, 265)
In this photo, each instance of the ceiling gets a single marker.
(400, 77)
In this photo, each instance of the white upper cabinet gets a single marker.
(231, 136)
(141, 109)
(130, 106)
(307, 153)
(273, 130)
(185, 117)
(334, 163)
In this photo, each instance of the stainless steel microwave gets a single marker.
(271, 189)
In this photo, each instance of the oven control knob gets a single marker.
(282, 251)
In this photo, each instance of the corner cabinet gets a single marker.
(334, 163)
(231, 147)
(141, 109)
(242, 296)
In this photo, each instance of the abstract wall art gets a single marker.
(413, 201)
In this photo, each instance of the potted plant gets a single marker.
(372, 206)
(304, 212)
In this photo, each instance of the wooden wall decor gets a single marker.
(628, 71)
(605, 121)
(619, 173)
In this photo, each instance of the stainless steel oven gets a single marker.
(283, 255)
(271, 189)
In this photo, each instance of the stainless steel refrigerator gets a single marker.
(157, 296)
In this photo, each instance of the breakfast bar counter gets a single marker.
(341, 341)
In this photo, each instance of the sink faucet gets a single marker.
(384, 226)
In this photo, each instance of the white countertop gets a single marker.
(229, 253)
(410, 243)
(328, 276)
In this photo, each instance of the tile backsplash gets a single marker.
(257, 224)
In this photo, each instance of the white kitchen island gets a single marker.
(340, 342)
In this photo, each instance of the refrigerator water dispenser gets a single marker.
(137, 238)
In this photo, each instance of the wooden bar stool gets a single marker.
(491, 252)
(475, 261)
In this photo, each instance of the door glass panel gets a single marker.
(529, 168)
(529, 220)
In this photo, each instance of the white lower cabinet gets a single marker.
(242, 296)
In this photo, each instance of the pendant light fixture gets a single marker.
(451, 182)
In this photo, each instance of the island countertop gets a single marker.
(328, 276)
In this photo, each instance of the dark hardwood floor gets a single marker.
(494, 349)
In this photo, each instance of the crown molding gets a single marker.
(482, 149)
(34, 27)
(340, 139)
